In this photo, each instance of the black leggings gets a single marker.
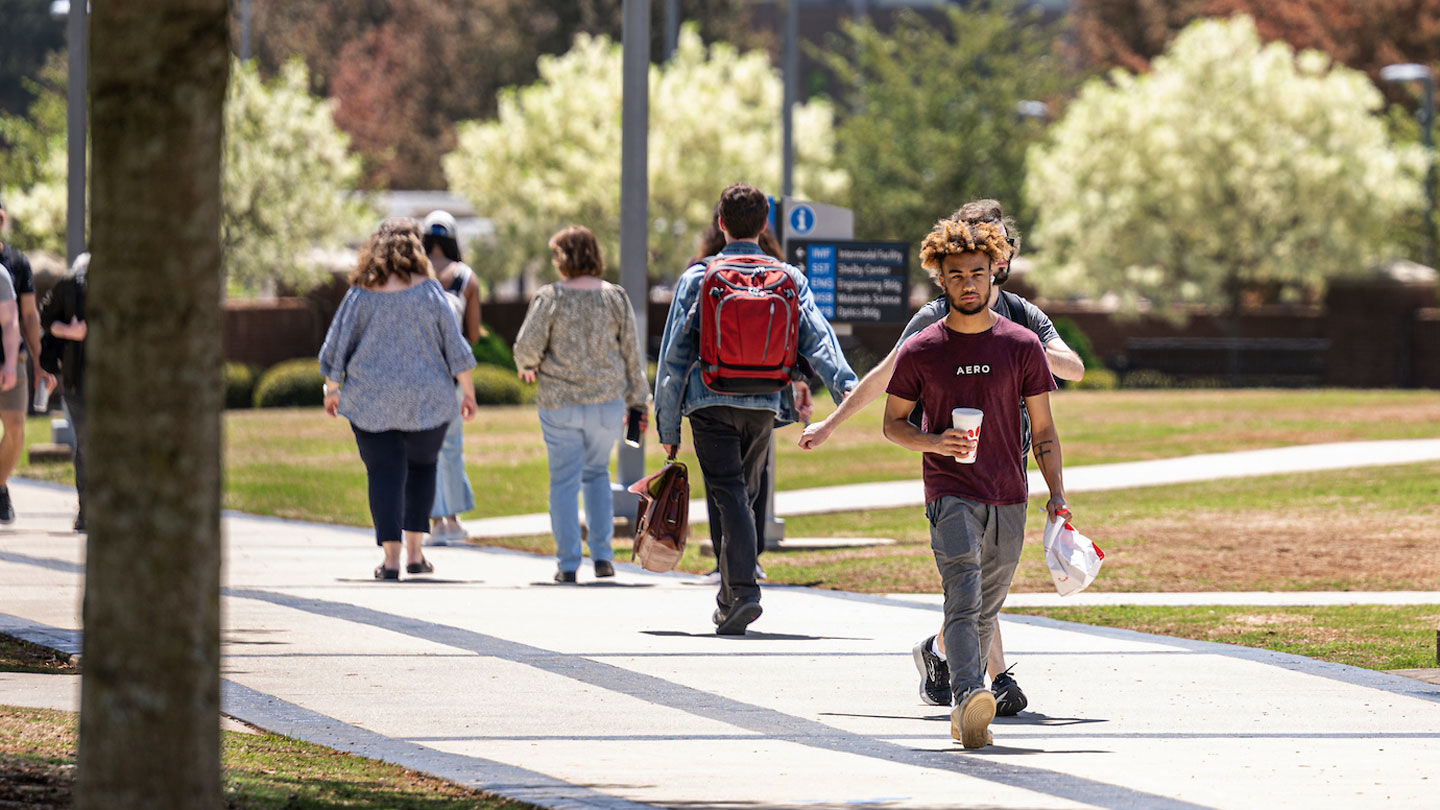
(401, 467)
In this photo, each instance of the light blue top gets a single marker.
(395, 355)
(678, 387)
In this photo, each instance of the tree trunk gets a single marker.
(149, 722)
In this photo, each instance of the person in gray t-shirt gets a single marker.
(9, 329)
(1064, 363)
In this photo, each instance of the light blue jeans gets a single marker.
(578, 439)
(453, 495)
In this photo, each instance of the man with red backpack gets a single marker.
(738, 324)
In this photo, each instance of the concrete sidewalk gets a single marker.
(1089, 478)
(619, 695)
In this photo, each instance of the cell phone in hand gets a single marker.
(632, 429)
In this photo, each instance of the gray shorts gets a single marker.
(976, 547)
(17, 399)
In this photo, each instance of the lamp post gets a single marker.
(77, 36)
(1412, 72)
(787, 115)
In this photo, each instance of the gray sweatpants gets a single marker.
(976, 548)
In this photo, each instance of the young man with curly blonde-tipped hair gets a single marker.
(973, 359)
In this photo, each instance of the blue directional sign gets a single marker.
(801, 220)
(856, 282)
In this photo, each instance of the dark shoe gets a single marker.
(603, 568)
(934, 674)
(7, 511)
(1009, 700)
(732, 622)
(80, 524)
(381, 572)
(422, 567)
(565, 576)
(970, 721)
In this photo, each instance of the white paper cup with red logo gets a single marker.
(968, 420)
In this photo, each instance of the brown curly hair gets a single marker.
(577, 253)
(950, 236)
(394, 249)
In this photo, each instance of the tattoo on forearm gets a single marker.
(1043, 449)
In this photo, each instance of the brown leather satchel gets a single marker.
(663, 523)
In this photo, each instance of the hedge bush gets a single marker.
(291, 384)
(239, 385)
(495, 385)
(1097, 378)
(493, 350)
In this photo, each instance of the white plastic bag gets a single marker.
(1074, 561)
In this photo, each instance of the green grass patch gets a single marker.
(299, 463)
(261, 772)
(1380, 637)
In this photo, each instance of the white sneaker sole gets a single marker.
(918, 653)
(970, 721)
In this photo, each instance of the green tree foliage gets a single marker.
(933, 119)
(405, 71)
(551, 157)
(31, 37)
(1231, 163)
(289, 178)
(32, 165)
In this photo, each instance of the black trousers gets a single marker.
(75, 412)
(401, 467)
(731, 445)
(757, 505)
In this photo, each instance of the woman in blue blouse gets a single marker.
(391, 360)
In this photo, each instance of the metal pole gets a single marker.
(77, 36)
(244, 30)
(1427, 124)
(634, 208)
(787, 113)
(672, 27)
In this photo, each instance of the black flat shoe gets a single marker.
(422, 567)
(565, 576)
(603, 568)
(381, 572)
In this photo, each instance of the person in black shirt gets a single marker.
(62, 316)
(14, 401)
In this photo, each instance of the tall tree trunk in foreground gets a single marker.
(149, 722)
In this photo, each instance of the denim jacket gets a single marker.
(678, 388)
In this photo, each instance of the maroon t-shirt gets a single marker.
(993, 370)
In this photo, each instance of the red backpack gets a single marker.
(749, 324)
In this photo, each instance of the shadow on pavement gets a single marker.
(751, 635)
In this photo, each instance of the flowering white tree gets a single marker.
(288, 183)
(289, 178)
(551, 157)
(1231, 163)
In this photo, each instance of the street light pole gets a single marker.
(787, 115)
(77, 36)
(244, 30)
(634, 207)
(1412, 72)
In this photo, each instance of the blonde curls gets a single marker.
(951, 237)
(395, 249)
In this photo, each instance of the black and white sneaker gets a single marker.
(934, 674)
(7, 510)
(1009, 700)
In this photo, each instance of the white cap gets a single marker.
(439, 223)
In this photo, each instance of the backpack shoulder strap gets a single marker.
(1013, 309)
